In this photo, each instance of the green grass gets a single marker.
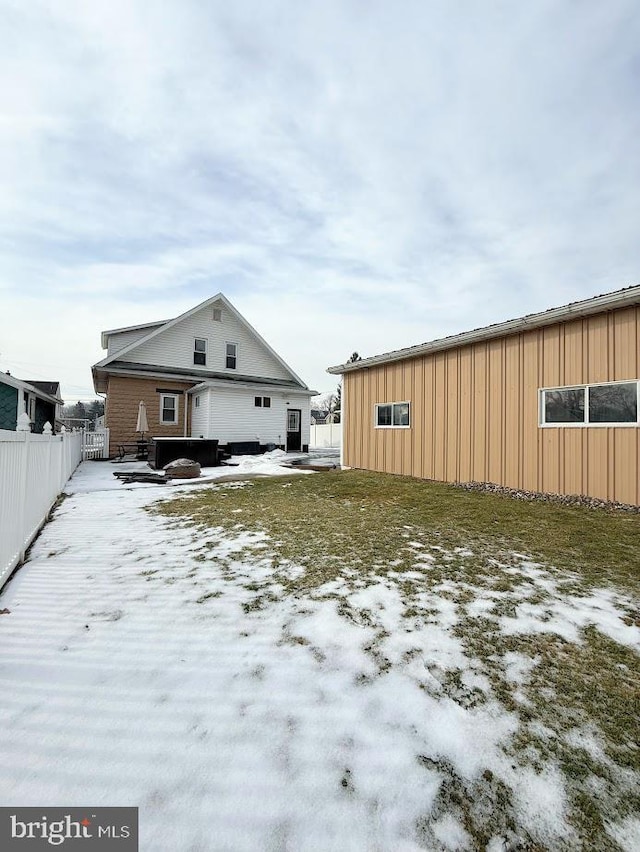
(358, 527)
(324, 522)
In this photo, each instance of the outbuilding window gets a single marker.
(169, 409)
(392, 415)
(607, 404)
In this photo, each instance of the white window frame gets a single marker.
(197, 352)
(176, 419)
(586, 422)
(390, 425)
(226, 355)
(196, 401)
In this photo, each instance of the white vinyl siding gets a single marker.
(116, 342)
(199, 414)
(230, 414)
(174, 347)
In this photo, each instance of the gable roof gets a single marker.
(156, 329)
(52, 388)
(37, 388)
(574, 310)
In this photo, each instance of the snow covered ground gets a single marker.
(144, 662)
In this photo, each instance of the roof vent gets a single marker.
(217, 314)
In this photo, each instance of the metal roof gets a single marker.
(574, 310)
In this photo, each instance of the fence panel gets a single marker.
(95, 445)
(33, 472)
(325, 435)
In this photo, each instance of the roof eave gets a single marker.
(575, 310)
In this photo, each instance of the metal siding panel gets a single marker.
(597, 478)
(495, 418)
(530, 431)
(551, 375)
(572, 461)
(452, 450)
(598, 369)
(625, 332)
(418, 412)
(573, 373)
(440, 415)
(465, 421)
(479, 472)
(512, 411)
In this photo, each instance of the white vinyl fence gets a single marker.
(325, 435)
(95, 445)
(33, 472)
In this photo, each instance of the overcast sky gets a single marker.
(351, 175)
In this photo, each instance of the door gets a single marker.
(294, 430)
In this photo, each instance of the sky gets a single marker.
(353, 176)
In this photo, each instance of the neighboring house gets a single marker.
(206, 373)
(318, 417)
(40, 400)
(549, 402)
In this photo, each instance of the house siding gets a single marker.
(233, 416)
(8, 407)
(118, 341)
(474, 411)
(121, 413)
(174, 347)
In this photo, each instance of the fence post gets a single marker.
(22, 493)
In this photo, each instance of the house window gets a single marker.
(200, 351)
(217, 314)
(608, 404)
(169, 409)
(232, 356)
(197, 402)
(262, 401)
(257, 401)
(392, 415)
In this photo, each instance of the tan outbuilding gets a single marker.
(549, 402)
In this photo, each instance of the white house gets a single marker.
(206, 373)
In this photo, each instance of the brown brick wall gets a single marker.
(121, 410)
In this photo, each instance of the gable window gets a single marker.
(169, 409)
(392, 415)
(200, 351)
(607, 404)
(232, 356)
(217, 314)
(262, 401)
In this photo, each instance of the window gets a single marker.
(200, 351)
(293, 421)
(217, 314)
(168, 409)
(262, 401)
(232, 356)
(197, 402)
(258, 402)
(613, 403)
(392, 415)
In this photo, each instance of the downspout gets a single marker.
(186, 412)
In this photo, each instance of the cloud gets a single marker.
(352, 176)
